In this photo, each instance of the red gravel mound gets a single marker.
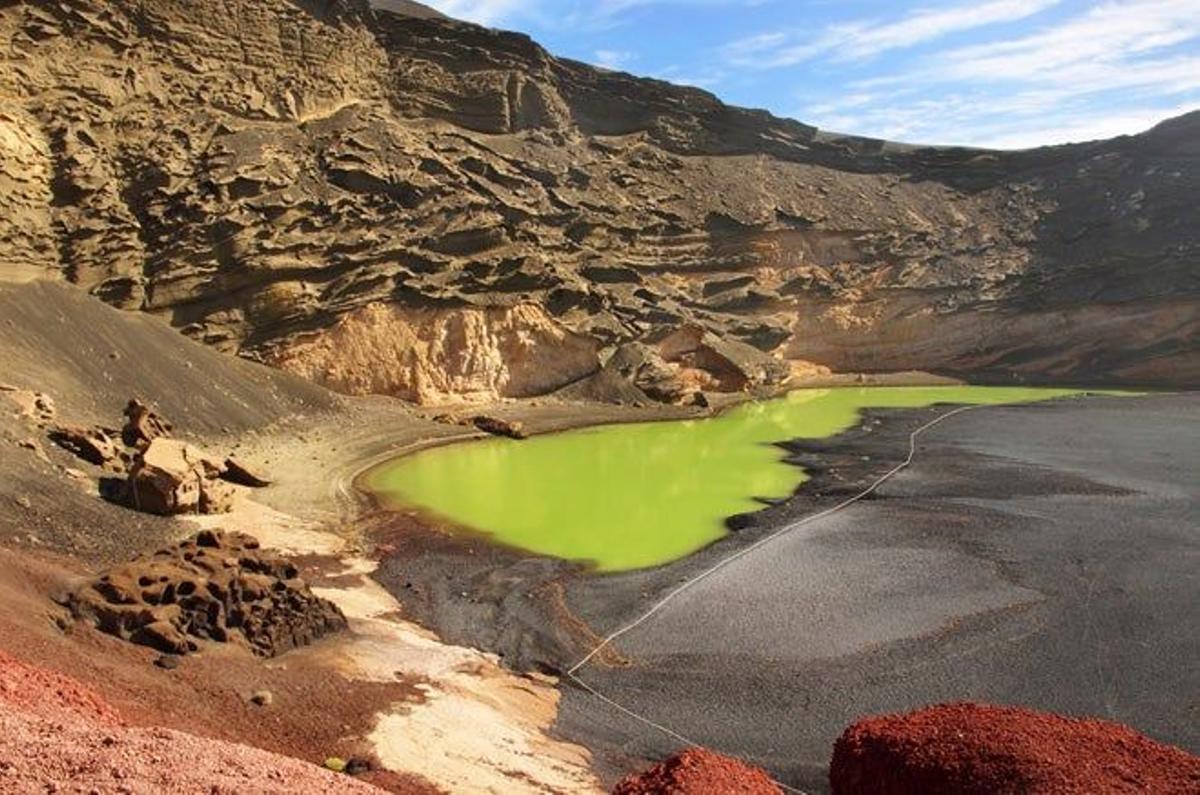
(699, 772)
(58, 736)
(973, 748)
(49, 695)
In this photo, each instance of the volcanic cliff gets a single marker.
(405, 204)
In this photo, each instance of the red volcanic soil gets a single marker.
(698, 772)
(973, 748)
(316, 712)
(58, 736)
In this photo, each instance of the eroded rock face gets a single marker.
(328, 186)
(975, 748)
(214, 586)
(439, 355)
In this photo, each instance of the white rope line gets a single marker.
(571, 672)
(912, 451)
(665, 730)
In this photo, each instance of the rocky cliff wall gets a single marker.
(292, 180)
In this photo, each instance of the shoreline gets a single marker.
(970, 563)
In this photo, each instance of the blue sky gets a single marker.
(1003, 73)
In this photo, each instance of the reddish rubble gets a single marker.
(973, 748)
(697, 771)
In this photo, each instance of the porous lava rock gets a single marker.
(697, 771)
(970, 749)
(214, 586)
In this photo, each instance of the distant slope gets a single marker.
(423, 207)
(408, 8)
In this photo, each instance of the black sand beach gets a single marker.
(1042, 555)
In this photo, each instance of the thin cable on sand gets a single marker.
(661, 603)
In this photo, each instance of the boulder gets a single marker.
(142, 425)
(973, 749)
(214, 586)
(236, 472)
(733, 366)
(171, 476)
(93, 445)
(499, 427)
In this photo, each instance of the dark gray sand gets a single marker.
(1044, 555)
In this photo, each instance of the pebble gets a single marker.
(167, 662)
(263, 698)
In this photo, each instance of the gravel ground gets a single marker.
(1042, 555)
(58, 736)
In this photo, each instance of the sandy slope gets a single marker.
(388, 689)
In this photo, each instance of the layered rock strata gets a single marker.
(411, 205)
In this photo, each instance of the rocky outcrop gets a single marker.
(974, 748)
(697, 771)
(93, 445)
(440, 355)
(160, 475)
(171, 476)
(143, 425)
(496, 426)
(416, 206)
(216, 587)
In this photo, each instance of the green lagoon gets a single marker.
(631, 496)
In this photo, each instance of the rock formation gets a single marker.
(142, 425)
(213, 586)
(973, 748)
(171, 476)
(407, 204)
(161, 475)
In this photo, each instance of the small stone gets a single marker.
(357, 766)
(24, 502)
(168, 662)
(336, 764)
(262, 698)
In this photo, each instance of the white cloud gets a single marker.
(866, 38)
(613, 59)
(1113, 68)
(561, 14)
(1084, 46)
(482, 12)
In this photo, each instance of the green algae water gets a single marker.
(631, 496)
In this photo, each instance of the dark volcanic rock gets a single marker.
(499, 427)
(214, 586)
